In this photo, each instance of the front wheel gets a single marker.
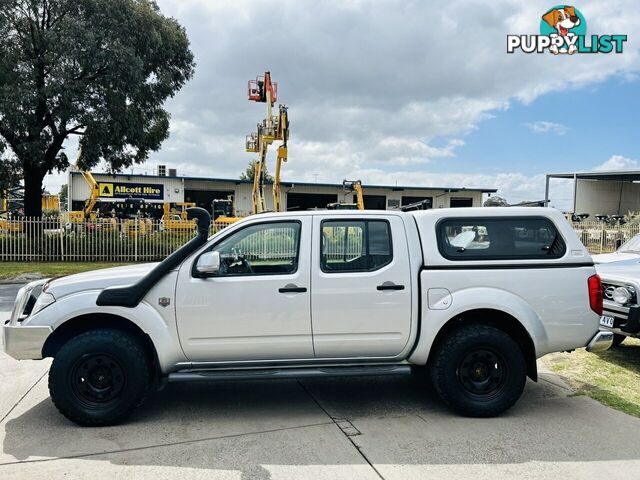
(99, 377)
(478, 370)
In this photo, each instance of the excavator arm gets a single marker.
(90, 203)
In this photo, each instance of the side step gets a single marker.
(301, 372)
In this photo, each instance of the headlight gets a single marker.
(621, 295)
(44, 300)
(24, 303)
(18, 306)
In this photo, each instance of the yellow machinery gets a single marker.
(79, 216)
(282, 134)
(137, 227)
(50, 203)
(355, 186)
(133, 224)
(87, 212)
(175, 219)
(223, 214)
(350, 186)
(273, 128)
(7, 225)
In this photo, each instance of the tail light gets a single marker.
(595, 293)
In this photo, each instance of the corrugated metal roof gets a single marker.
(619, 176)
(311, 184)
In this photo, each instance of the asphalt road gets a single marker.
(369, 428)
(7, 296)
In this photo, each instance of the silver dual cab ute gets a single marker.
(470, 297)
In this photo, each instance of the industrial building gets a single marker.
(158, 189)
(602, 193)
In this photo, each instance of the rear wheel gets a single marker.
(478, 371)
(617, 340)
(99, 377)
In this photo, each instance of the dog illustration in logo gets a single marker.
(563, 19)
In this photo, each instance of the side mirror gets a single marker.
(208, 263)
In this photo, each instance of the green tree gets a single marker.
(249, 172)
(99, 69)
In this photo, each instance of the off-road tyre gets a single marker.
(478, 370)
(100, 377)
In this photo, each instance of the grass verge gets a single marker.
(12, 270)
(611, 377)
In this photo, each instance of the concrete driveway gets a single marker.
(370, 428)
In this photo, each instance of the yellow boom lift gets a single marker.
(273, 128)
(282, 134)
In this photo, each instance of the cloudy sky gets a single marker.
(414, 93)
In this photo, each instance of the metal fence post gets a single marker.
(135, 241)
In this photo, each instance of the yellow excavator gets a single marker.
(79, 216)
(273, 128)
(350, 186)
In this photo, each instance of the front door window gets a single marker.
(265, 249)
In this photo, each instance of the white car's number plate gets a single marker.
(606, 321)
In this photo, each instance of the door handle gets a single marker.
(292, 288)
(389, 286)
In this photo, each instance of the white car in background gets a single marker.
(621, 284)
(629, 250)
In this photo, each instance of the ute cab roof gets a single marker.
(426, 222)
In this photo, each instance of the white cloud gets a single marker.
(375, 88)
(547, 127)
(618, 162)
(359, 73)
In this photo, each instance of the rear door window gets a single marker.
(355, 245)
(499, 238)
